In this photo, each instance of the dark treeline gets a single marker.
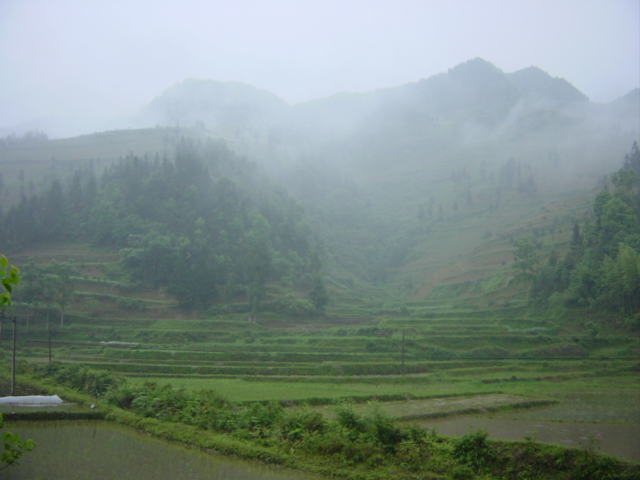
(208, 226)
(601, 270)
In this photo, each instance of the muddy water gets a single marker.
(102, 451)
(621, 441)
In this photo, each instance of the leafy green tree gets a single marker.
(525, 258)
(13, 446)
(34, 289)
(9, 277)
(624, 178)
(632, 160)
(62, 284)
(621, 280)
(318, 294)
(258, 259)
(54, 213)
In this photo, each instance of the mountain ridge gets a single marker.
(439, 92)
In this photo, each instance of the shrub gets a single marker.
(208, 410)
(473, 450)
(331, 442)
(296, 426)
(82, 379)
(259, 418)
(347, 418)
(160, 402)
(382, 429)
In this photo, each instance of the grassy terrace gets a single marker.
(445, 353)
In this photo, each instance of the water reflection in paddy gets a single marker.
(103, 451)
(621, 441)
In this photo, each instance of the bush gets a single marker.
(347, 418)
(289, 304)
(473, 450)
(259, 418)
(82, 379)
(299, 425)
(160, 402)
(208, 410)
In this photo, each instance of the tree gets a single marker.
(525, 258)
(62, 285)
(318, 294)
(601, 270)
(9, 277)
(33, 289)
(632, 160)
(13, 447)
(258, 259)
(624, 178)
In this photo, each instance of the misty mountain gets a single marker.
(540, 87)
(626, 107)
(447, 149)
(472, 101)
(400, 183)
(210, 104)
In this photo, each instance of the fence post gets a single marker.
(13, 359)
(403, 351)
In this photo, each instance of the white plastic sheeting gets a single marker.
(31, 400)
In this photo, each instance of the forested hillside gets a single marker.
(415, 193)
(601, 270)
(207, 226)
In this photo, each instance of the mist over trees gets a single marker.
(378, 191)
(29, 137)
(601, 270)
(205, 226)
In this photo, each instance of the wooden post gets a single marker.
(13, 360)
(49, 332)
(403, 351)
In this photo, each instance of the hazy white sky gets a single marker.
(92, 60)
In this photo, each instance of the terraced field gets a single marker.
(429, 364)
(417, 353)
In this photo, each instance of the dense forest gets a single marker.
(601, 270)
(206, 226)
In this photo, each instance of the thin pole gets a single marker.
(1, 324)
(49, 330)
(403, 351)
(13, 360)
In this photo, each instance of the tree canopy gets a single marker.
(602, 268)
(194, 225)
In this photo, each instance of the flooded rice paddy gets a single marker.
(606, 420)
(71, 450)
(622, 441)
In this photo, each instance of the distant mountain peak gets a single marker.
(476, 70)
(533, 82)
(475, 65)
(210, 102)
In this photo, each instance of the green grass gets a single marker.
(237, 389)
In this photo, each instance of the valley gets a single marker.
(318, 285)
